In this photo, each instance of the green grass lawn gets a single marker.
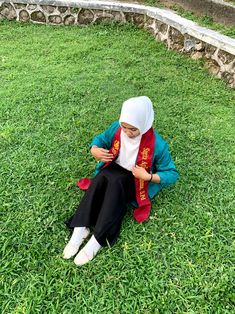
(59, 87)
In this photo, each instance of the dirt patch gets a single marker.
(220, 12)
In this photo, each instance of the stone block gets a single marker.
(62, 9)
(227, 76)
(85, 17)
(177, 39)
(75, 10)
(24, 16)
(150, 26)
(212, 67)
(32, 7)
(209, 50)
(98, 14)
(7, 11)
(48, 8)
(158, 25)
(189, 44)
(148, 22)
(55, 19)
(225, 57)
(38, 16)
(118, 16)
(137, 19)
(197, 55)
(102, 16)
(163, 28)
(20, 5)
(200, 46)
(69, 20)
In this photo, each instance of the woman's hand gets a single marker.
(101, 154)
(141, 173)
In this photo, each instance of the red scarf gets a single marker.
(144, 159)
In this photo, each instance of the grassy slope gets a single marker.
(60, 87)
(205, 21)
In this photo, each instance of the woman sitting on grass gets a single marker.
(135, 165)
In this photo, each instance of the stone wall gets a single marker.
(217, 50)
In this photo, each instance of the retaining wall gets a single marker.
(178, 33)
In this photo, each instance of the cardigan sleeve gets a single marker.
(104, 140)
(163, 164)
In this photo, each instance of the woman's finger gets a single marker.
(134, 172)
(108, 156)
(105, 160)
(104, 150)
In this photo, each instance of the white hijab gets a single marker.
(138, 112)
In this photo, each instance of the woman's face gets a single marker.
(129, 130)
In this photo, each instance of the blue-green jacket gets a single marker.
(162, 161)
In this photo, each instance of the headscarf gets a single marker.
(138, 112)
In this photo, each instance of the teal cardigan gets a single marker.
(162, 162)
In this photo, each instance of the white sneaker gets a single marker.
(82, 258)
(78, 236)
(70, 250)
(88, 252)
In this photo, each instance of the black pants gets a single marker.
(104, 203)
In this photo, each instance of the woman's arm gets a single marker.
(101, 144)
(141, 173)
(163, 168)
(101, 154)
(104, 140)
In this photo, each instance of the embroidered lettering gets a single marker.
(116, 145)
(145, 153)
(144, 164)
(141, 184)
(142, 195)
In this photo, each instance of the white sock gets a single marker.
(79, 234)
(88, 252)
